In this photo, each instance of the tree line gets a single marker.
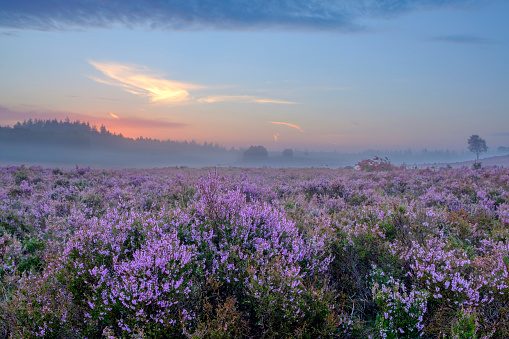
(84, 135)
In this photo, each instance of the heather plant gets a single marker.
(466, 325)
(10, 251)
(477, 165)
(39, 307)
(257, 257)
(253, 252)
(401, 313)
(125, 272)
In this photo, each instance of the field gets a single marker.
(254, 253)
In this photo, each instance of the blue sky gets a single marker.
(321, 75)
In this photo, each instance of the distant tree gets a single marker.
(256, 152)
(502, 149)
(288, 152)
(477, 145)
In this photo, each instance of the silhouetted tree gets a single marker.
(288, 152)
(256, 152)
(502, 149)
(477, 145)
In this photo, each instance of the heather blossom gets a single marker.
(180, 252)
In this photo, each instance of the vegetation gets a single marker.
(254, 253)
(376, 164)
(71, 143)
(288, 152)
(68, 143)
(477, 145)
(256, 153)
(82, 134)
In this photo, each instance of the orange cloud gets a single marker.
(114, 116)
(287, 124)
(243, 98)
(276, 137)
(274, 101)
(139, 80)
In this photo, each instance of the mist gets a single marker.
(69, 144)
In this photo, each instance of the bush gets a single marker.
(288, 152)
(376, 165)
(256, 152)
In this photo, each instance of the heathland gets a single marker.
(254, 253)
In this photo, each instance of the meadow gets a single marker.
(254, 253)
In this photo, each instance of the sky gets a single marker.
(330, 75)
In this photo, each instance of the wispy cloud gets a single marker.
(141, 81)
(114, 116)
(287, 124)
(333, 88)
(99, 98)
(244, 98)
(463, 39)
(146, 123)
(273, 101)
(203, 14)
(9, 33)
(503, 134)
(276, 137)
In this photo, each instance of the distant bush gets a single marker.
(256, 152)
(376, 164)
(503, 149)
(288, 152)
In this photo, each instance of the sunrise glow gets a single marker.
(347, 76)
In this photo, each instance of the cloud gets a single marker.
(273, 101)
(99, 98)
(204, 14)
(114, 116)
(243, 98)
(504, 134)
(140, 81)
(145, 123)
(287, 124)
(9, 33)
(333, 88)
(276, 137)
(463, 39)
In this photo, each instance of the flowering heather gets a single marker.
(254, 253)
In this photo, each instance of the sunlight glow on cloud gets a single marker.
(276, 137)
(114, 116)
(244, 98)
(140, 81)
(287, 124)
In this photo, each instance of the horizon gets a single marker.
(375, 152)
(344, 77)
